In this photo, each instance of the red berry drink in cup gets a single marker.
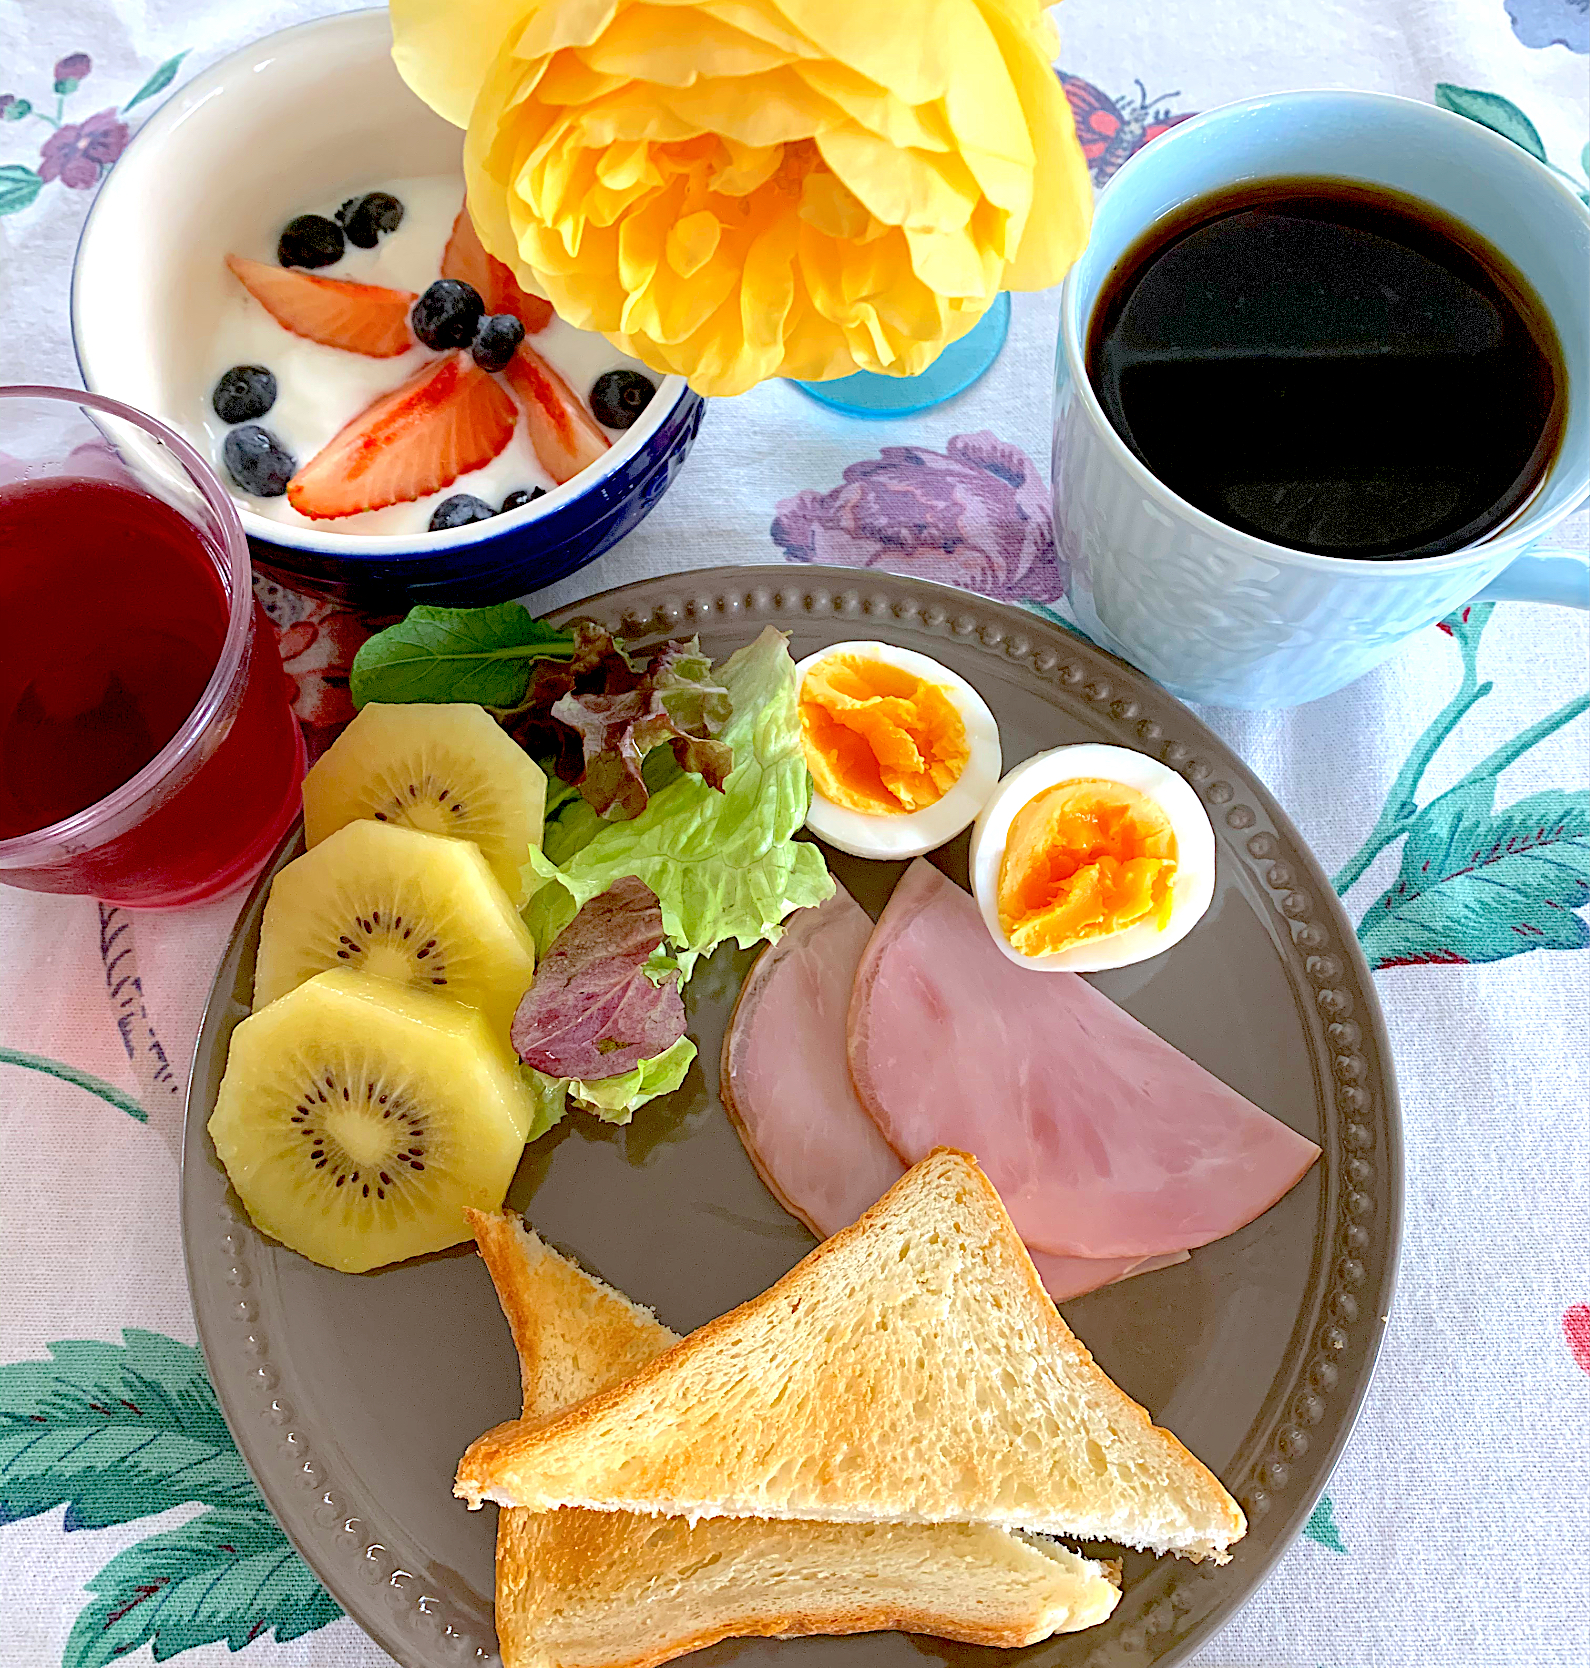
(148, 751)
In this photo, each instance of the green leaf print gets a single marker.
(107, 1092)
(158, 82)
(18, 187)
(1491, 110)
(1479, 885)
(1476, 884)
(1502, 116)
(1321, 1526)
(115, 1432)
(226, 1575)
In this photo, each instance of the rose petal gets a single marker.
(745, 167)
(1062, 195)
(570, 79)
(693, 242)
(877, 109)
(916, 58)
(645, 44)
(757, 110)
(765, 19)
(921, 189)
(444, 49)
(549, 28)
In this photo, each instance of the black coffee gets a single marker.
(1331, 366)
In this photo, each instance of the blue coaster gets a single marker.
(866, 394)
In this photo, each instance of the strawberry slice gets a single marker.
(465, 258)
(363, 318)
(448, 418)
(563, 433)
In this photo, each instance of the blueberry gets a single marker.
(495, 341)
(366, 218)
(459, 510)
(447, 315)
(310, 240)
(518, 498)
(619, 397)
(244, 393)
(258, 461)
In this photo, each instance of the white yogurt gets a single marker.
(319, 389)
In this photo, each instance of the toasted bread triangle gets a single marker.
(911, 1369)
(579, 1589)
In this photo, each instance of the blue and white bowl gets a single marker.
(288, 121)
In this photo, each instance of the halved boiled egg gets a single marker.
(902, 751)
(1091, 857)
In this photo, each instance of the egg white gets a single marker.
(912, 833)
(1192, 889)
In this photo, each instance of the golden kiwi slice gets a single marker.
(357, 1119)
(443, 769)
(417, 908)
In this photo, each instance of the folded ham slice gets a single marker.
(786, 1084)
(1102, 1139)
(1067, 1277)
(784, 1078)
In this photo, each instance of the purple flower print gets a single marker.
(976, 515)
(1540, 23)
(78, 153)
(74, 67)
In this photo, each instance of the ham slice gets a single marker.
(786, 1084)
(1067, 1277)
(1102, 1139)
(785, 1080)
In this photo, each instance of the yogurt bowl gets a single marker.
(294, 124)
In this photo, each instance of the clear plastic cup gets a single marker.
(126, 601)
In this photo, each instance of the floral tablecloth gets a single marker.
(1446, 793)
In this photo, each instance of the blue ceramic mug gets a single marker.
(1219, 615)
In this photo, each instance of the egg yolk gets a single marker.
(1084, 860)
(879, 739)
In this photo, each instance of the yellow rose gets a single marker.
(742, 189)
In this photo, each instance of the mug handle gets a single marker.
(1559, 576)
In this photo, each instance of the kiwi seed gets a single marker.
(328, 1154)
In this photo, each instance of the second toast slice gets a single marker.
(582, 1589)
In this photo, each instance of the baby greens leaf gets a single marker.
(602, 716)
(593, 1012)
(679, 704)
(456, 654)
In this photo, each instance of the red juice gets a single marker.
(113, 618)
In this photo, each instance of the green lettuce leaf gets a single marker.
(549, 1096)
(572, 823)
(723, 864)
(614, 1100)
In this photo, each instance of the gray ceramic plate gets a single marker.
(351, 1397)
